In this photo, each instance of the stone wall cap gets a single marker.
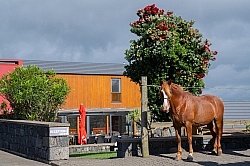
(28, 122)
(93, 145)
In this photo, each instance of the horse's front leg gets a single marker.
(189, 137)
(178, 135)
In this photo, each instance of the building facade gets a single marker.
(107, 95)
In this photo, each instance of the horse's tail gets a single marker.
(219, 114)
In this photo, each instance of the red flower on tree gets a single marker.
(155, 11)
(206, 47)
(169, 13)
(161, 12)
(151, 9)
(213, 58)
(163, 37)
(200, 76)
(204, 60)
(163, 26)
(172, 25)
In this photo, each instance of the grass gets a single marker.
(248, 127)
(100, 155)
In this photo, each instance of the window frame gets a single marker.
(116, 96)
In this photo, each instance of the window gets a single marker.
(72, 128)
(116, 90)
(97, 124)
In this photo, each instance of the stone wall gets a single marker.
(160, 145)
(41, 141)
(229, 141)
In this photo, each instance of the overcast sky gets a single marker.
(99, 31)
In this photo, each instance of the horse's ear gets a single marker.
(169, 82)
(161, 82)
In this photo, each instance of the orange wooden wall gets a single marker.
(94, 91)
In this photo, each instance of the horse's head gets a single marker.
(165, 93)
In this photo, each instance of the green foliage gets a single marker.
(135, 115)
(168, 47)
(248, 127)
(33, 93)
(3, 108)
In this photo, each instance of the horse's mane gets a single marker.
(176, 86)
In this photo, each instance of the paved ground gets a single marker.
(8, 159)
(229, 158)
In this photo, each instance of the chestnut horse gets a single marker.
(188, 110)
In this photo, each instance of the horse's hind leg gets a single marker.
(213, 132)
(219, 129)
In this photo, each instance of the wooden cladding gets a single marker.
(94, 91)
(116, 97)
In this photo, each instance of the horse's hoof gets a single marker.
(177, 158)
(219, 153)
(190, 157)
(213, 153)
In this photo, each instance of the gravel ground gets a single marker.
(229, 157)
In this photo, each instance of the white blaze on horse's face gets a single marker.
(166, 104)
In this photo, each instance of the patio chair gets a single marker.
(91, 139)
(114, 138)
(100, 139)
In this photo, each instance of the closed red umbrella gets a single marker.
(82, 135)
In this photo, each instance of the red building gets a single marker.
(6, 66)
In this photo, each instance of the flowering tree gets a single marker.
(168, 47)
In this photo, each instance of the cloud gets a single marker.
(63, 28)
(229, 75)
(99, 31)
(228, 82)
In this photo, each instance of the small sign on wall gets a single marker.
(58, 131)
